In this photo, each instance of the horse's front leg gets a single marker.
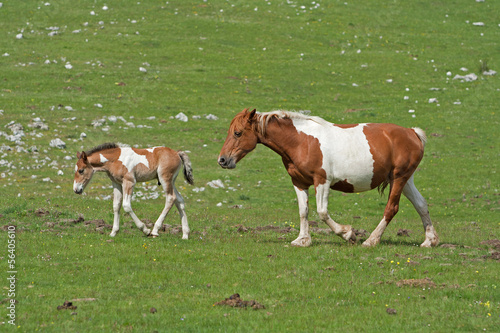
(344, 231)
(128, 188)
(117, 205)
(304, 238)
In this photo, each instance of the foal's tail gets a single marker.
(188, 170)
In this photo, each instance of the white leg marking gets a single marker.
(374, 238)
(344, 231)
(117, 205)
(169, 202)
(179, 203)
(418, 201)
(304, 238)
(127, 198)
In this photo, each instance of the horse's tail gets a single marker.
(188, 170)
(421, 134)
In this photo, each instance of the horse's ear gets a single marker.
(78, 155)
(251, 115)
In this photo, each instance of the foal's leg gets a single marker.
(304, 238)
(345, 231)
(418, 201)
(117, 205)
(179, 203)
(128, 188)
(169, 202)
(390, 211)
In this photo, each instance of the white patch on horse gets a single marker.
(131, 159)
(151, 149)
(103, 159)
(346, 152)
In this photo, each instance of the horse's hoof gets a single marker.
(350, 236)
(302, 242)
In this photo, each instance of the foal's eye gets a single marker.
(237, 134)
(80, 171)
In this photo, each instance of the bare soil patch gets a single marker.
(235, 301)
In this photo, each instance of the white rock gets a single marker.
(142, 69)
(60, 172)
(467, 78)
(433, 100)
(490, 72)
(216, 184)
(478, 24)
(68, 66)
(182, 117)
(57, 143)
(219, 204)
(19, 36)
(83, 135)
(212, 117)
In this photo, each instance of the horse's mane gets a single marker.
(265, 117)
(107, 145)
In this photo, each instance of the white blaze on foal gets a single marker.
(125, 167)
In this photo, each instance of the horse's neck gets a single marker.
(98, 161)
(281, 136)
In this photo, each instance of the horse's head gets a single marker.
(83, 173)
(241, 139)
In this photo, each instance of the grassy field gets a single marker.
(123, 70)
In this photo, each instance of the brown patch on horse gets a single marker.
(344, 126)
(299, 147)
(343, 186)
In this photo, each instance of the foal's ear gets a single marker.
(82, 155)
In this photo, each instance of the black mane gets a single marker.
(107, 145)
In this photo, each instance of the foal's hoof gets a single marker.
(302, 242)
(370, 242)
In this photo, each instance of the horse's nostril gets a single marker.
(222, 160)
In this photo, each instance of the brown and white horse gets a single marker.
(126, 166)
(347, 158)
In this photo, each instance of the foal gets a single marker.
(126, 166)
(347, 158)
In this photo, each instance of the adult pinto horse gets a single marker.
(125, 166)
(347, 158)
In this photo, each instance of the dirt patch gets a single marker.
(235, 301)
(404, 232)
(40, 212)
(361, 233)
(283, 230)
(391, 311)
(495, 243)
(67, 306)
(494, 256)
(416, 283)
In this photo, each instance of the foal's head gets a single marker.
(241, 139)
(83, 173)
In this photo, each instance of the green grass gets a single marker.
(218, 57)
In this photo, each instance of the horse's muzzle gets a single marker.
(227, 163)
(79, 191)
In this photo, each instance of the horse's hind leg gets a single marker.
(127, 207)
(418, 201)
(179, 203)
(344, 231)
(391, 209)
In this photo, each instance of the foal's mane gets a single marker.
(107, 145)
(265, 117)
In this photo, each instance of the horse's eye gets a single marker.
(237, 134)
(80, 171)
